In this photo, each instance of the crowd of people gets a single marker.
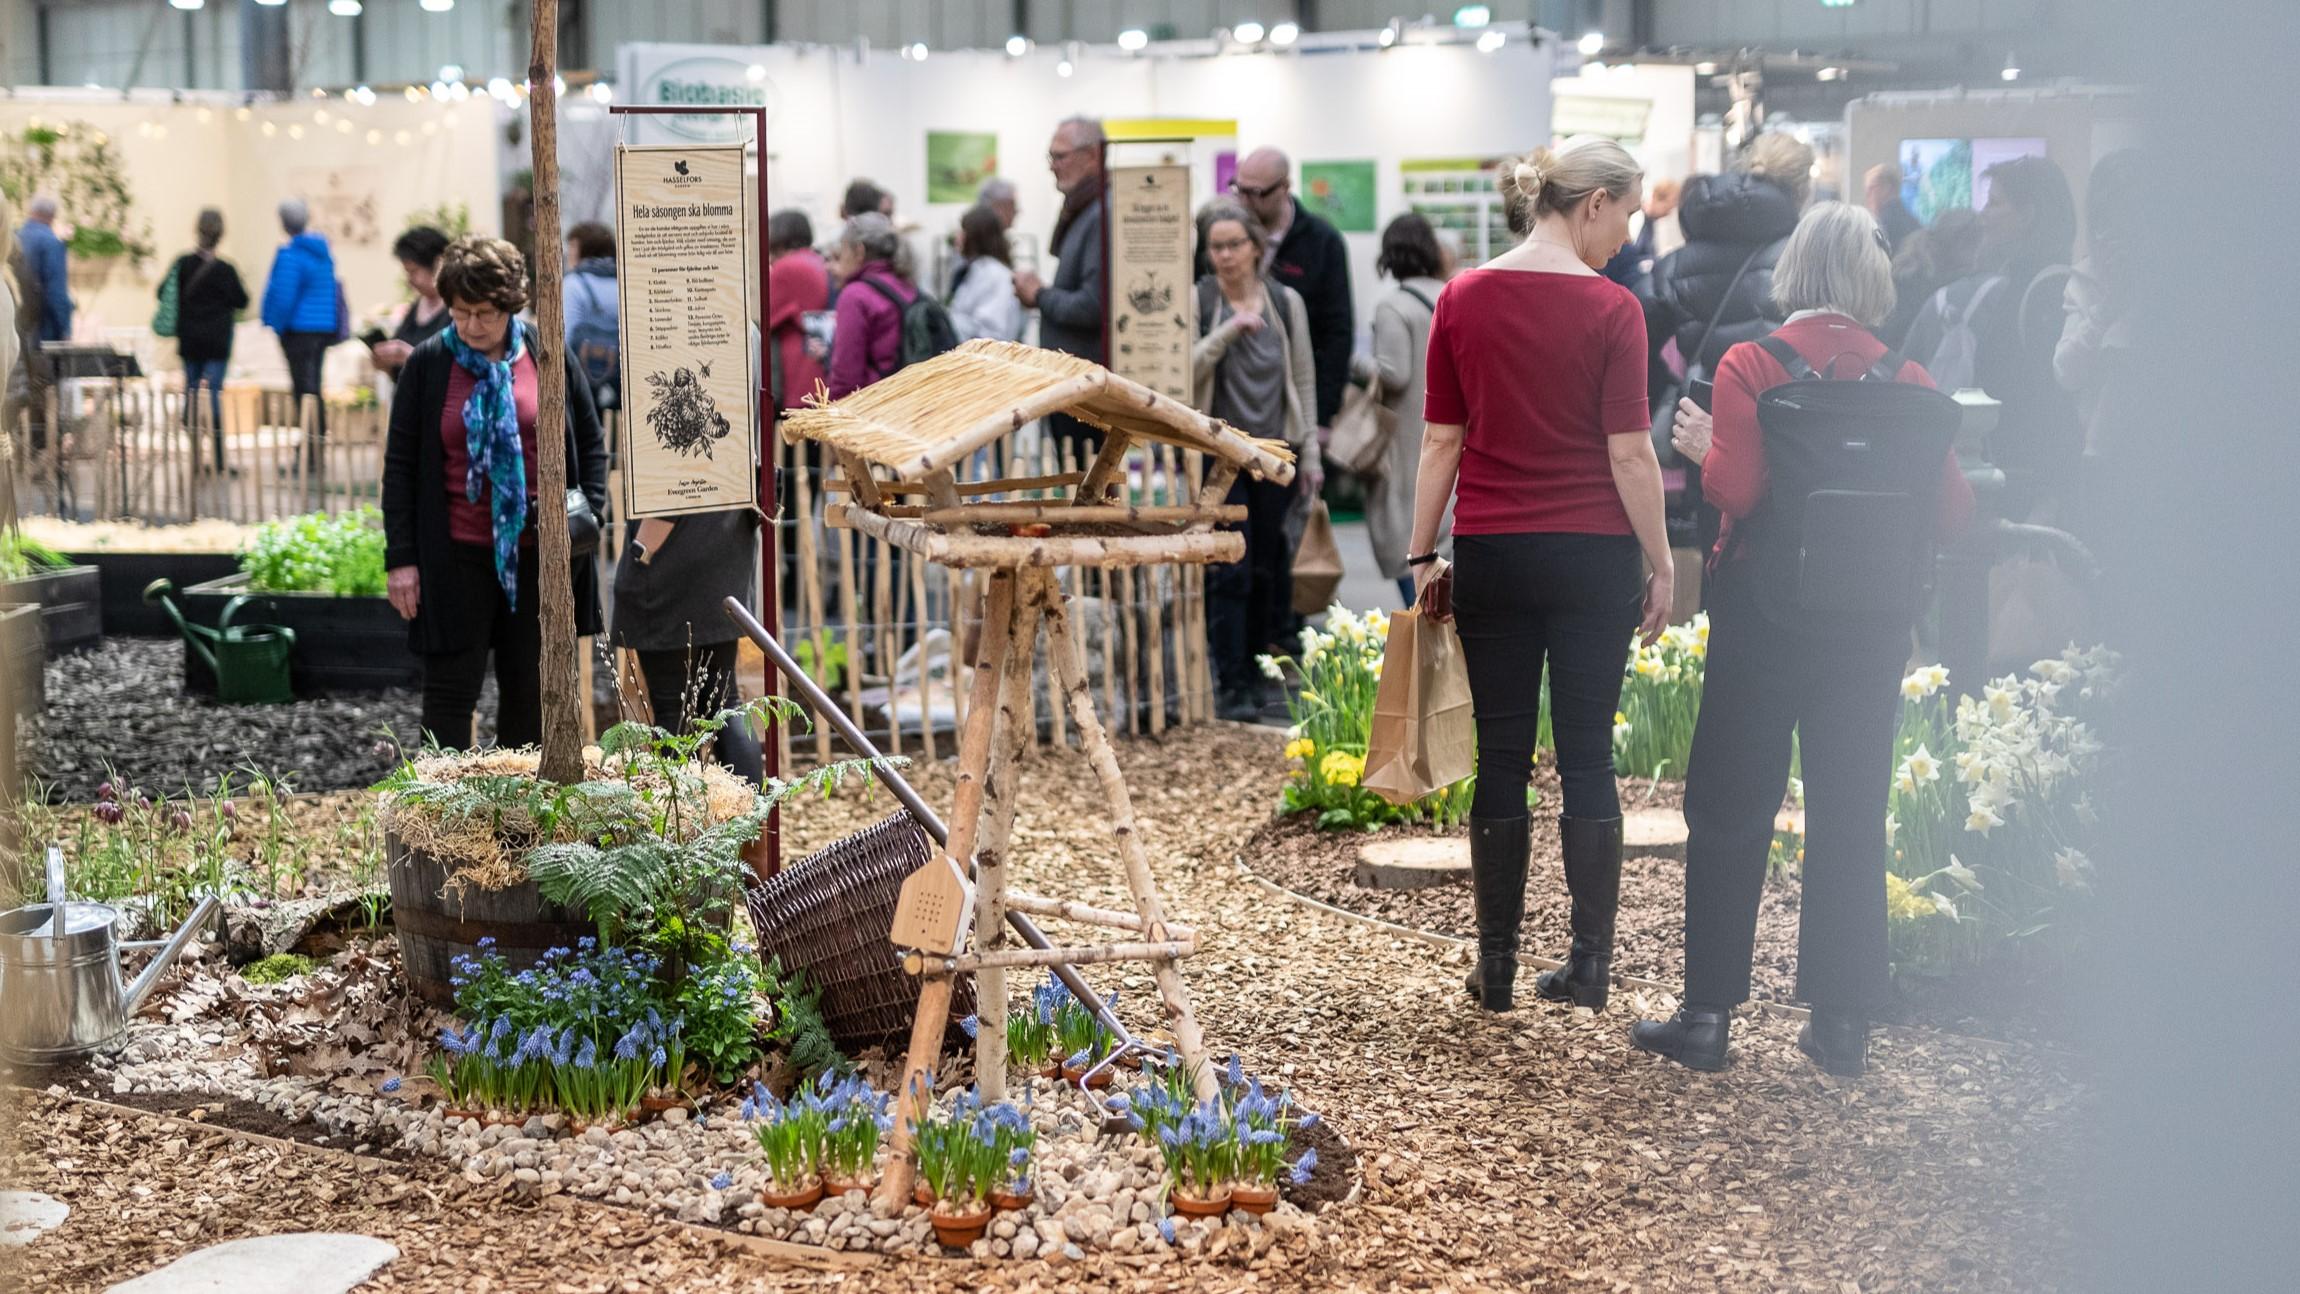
(1566, 413)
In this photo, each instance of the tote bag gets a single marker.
(1424, 737)
(1317, 563)
(1362, 431)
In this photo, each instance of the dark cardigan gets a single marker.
(450, 614)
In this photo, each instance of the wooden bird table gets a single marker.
(919, 426)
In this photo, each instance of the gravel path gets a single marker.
(1534, 1150)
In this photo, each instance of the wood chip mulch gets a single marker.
(1530, 1151)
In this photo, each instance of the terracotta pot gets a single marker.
(477, 1116)
(1131, 1060)
(1053, 1070)
(1010, 1202)
(1192, 1207)
(921, 1196)
(957, 1230)
(656, 1105)
(1254, 1199)
(833, 1187)
(1096, 1083)
(803, 1198)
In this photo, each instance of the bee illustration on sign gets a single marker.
(684, 418)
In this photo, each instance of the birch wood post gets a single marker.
(849, 605)
(562, 760)
(1069, 663)
(882, 633)
(1001, 796)
(1201, 673)
(1108, 578)
(933, 1017)
(1054, 456)
(1130, 718)
(958, 588)
(919, 618)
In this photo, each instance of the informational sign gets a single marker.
(1613, 118)
(1342, 192)
(1153, 308)
(957, 162)
(688, 395)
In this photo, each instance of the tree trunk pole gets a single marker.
(562, 715)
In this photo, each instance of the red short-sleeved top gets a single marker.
(1540, 368)
(468, 522)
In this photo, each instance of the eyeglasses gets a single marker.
(1247, 191)
(475, 316)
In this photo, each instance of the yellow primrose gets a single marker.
(1301, 748)
(1341, 768)
(1903, 902)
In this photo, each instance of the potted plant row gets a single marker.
(321, 575)
(1225, 1152)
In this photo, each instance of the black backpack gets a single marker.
(926, 327)
(1845, 535)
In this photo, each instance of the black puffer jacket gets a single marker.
(1725, 218)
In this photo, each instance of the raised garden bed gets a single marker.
(71, 606)
(22, 654)
(343, 644)
(124, 576)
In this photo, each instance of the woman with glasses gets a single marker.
(460, 510)
(1253, 370)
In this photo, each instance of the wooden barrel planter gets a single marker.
(342, 644)
(70, 599)
(124, 575)
(436, 925)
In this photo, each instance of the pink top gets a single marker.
(468, 522)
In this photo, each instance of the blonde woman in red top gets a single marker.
(1835, 688)
(1537, 429)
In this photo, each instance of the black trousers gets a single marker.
(689, 683)
(1838, 693)
(1566, 603)
(452, 679)
(306, 357)
(1250, 602)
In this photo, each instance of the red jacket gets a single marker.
(796, 284)
(1733, 476)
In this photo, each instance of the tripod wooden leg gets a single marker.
(1014, 734)
(974, 751)
(1065, 653)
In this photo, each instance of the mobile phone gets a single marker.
(373, 337)
(1701, 391)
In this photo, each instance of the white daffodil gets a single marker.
(1983, 819)
(2000, 702)
(1270, 668)
(1942, 905)
(1970, 767)
(1892, 830)
(2073, 869)
(1797, 789)
(1936, 678)
(2053, 671)
(1921, 766)
(1961, 874)
(1913, 687)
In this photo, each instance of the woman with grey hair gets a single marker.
(209, 297)
(1831, 685)
(1254, 370)
(876, 288)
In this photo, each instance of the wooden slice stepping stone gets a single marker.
(1413, 863)
(25, 1215)
(1653, 833)
(311, 1262)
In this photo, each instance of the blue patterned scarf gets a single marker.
(498, 460)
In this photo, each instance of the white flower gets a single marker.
(1936, 678)
(1983, 818)
(2073, 869)
(1970, 766)
(1892, 829)
(1294, 733)
(2053, 671)
(1921, 767)
(1961, 874)
(1797, 789)
(1913, 687)
(2000, 702)
(1270, 668)
(1942, 905)
(1378, 624)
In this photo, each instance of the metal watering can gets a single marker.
(60, 991)
(250, 662)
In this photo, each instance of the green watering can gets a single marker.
(250, 662)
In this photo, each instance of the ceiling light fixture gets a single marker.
(1132, 39)
(1389, 34)
(1064, 68)
(188, 5)
(1248, 32)
(438, 6)
(1704, 68)
(1491, 39)
(2012, 68)
(344, 8)
(1472, 15)
(754, 73)
(1592, 43)
(1285, 34)
(1830, 74)
(601, 92)
(1017, 46)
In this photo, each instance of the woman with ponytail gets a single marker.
(1537, 431)
(459, 503)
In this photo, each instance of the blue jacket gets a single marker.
(300, 296)
(589, 292)
(45, 274)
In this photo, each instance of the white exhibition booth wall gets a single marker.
(364, 169)
(834, 117)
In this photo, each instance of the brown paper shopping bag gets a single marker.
(1424, 738)
(1317, 563)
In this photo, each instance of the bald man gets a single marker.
(1881, 187)
(1308, 255)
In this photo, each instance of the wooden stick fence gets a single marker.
(892, 627)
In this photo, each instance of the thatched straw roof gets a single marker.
(931, 416)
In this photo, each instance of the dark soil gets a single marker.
(1331, 1178)
(2001, 1001)
(121, 710)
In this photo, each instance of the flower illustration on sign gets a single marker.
(684, 417)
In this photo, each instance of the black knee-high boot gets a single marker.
(1592, 849)
(1497, 854)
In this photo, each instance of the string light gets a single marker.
(1132, 39)
(1285, 34)
(438, 6)
(1017, 46)
(1592, 44)
(344, 8)
(1248, 32)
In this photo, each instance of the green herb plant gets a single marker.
(339, 553)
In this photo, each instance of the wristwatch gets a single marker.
(1423, 560)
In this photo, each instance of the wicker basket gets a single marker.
(829, 916)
